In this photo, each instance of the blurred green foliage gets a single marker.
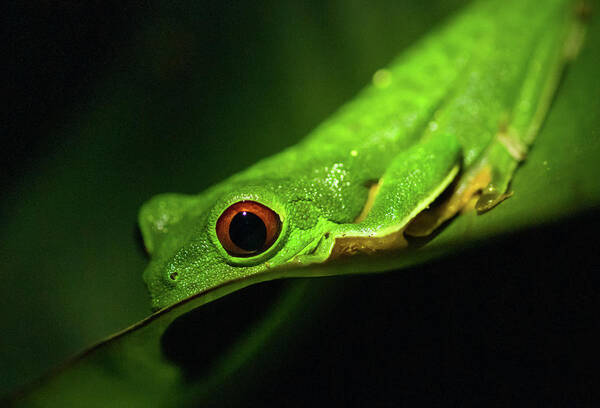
(201, 91)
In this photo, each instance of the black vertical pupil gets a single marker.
(248, 231)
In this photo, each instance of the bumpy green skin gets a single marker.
(439, 109)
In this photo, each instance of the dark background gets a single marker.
(109, 103)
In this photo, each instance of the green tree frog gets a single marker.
(454, 114)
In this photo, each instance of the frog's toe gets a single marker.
(490, 197)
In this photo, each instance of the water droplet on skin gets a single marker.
(382, 78)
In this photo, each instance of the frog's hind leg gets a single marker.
(513, 140)
(485, 183)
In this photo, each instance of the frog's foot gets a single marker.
(482, 187)
(461, 197)
(502, 157)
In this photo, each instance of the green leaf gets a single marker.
(558, 180)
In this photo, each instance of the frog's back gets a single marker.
(474, 60)
(462, 79)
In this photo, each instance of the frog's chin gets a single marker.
(209, 294)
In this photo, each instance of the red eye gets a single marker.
(248, 228)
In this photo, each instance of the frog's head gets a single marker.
(239, 233)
